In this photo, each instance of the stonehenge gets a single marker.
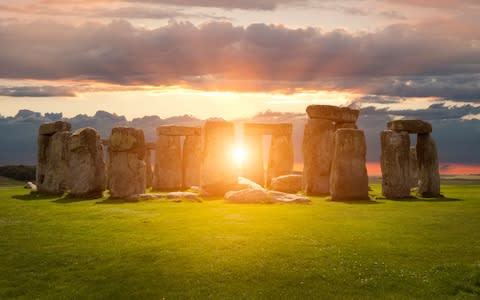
(328, 129)
(280, 160)
(404, 167)
(86, 163)
(52, 173)
(200, 158)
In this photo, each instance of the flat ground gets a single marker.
(54, 247)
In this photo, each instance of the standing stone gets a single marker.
(217, 169)
(413, 167)
(192, 149)
(168, 163)
(281, 157)
(410, 126)
(86, 163)
(428, 171)
(253, 166)
(148, 168)
(318, 147)
(52, 173)
(395, 164)
(126, 168)
(348, 178)
(333, 113)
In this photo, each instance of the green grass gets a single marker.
(60, 248)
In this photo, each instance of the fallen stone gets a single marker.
(428, 169)
(247, 183)
(348, 178)
(267, 128)
(318, 148)
(177, 130)
(410, 126)
(395, 164)
(184, 196)
(263, 196)
(287, 183)
(333, 113)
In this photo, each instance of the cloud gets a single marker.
(436, 111)
(37, 91)
(400, 60)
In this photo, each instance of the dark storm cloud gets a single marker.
(401, 60)
(36, 91)
(436, 111)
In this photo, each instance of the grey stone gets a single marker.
(217, 170)
(184, 196)
(53, 173)
(318, 148)
(395, 164)
(252, 167)
(410, 126)
(168, 164)
(428, 170)
(345, 125)
(126, 168)
(280, 160)
(245, 183)
(267, 128)
(86, 163)
(178, 130)
(263, 196)
(31, 186)
(192, 150)
(348, 178)
(333, 113)
(53, 127)
(287, 183)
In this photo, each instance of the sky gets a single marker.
(234, 58)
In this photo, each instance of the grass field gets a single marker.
(61, 248)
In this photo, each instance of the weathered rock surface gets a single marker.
(287, 183)
(333, 113)
(395, 164)
(267, 128)
(410, 126)
(127, 139)
(184, 196)
(217, 172)
(168, 164)
(126, 168)
(86, 163)
(53, 174)
(280, 160)
(428, 170)
(253, 166)
(192, 153)
(348, 178)
(318, 148)
(177, 130)
(244, 183)
(413, 167)
(345, 125)
(263, 196)
(53, 127)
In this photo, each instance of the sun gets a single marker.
(239, 155)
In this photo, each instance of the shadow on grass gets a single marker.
(364, 202)
(72, 199)
(32, 196)
(420, 199)
(115, 201)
